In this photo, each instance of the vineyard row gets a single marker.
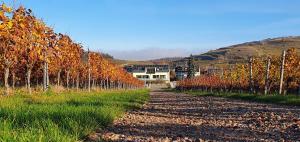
(31, 53)
(276, 74)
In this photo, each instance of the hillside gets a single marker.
(129, 62)
(241, 52)
(231, 54)
(147, 62)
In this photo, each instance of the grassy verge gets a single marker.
(275, 99)
(67, 116)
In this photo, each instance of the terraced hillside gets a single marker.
(240, 52)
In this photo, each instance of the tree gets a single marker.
(33, 41)
(191, 67)
(7, 43)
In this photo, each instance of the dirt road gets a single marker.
(180, 117)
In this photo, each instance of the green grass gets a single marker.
(275, 99)
(67, 116)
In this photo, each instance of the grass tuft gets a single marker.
(67, 116)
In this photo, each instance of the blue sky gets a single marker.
(146, 29)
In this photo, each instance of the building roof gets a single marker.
(142, 68)
(150, 66)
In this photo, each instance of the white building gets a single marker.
(150, 73)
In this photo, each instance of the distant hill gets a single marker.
(231, 54)
(161, 61)
(240, 52)
(166, 60)
(123, 62)
(129, 62)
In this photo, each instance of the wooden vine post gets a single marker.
(6, 85)
(267, 76)
(45, 72)
(77, 82)
(230, 77)
(282, 72)
(251, 74)
(89, 72)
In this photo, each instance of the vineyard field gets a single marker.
(53, 88)
(68, 116)
(149, 71)
(265, 76)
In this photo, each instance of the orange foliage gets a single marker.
(236, 77)
(26, 43)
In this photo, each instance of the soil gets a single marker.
(170, 117)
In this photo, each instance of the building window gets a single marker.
(155, 76)
(142, 76)
(162, 77)
(146, 76)
(150, 70)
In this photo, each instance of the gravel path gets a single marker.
(180, 117)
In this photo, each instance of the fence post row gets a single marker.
(267, 76)
(282, 72)
(251, 74)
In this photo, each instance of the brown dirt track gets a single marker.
(180, 117)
